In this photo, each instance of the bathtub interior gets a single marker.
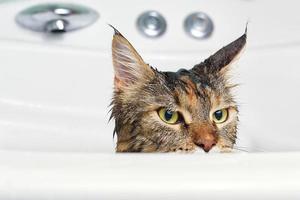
(55, 91)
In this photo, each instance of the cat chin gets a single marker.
(215, 149)
(199, 150)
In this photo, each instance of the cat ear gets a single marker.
(129, 67)
(222, 58)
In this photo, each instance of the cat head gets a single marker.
(157, 111)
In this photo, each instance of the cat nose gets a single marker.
(206, 145)
(206, 142)
(204, 136)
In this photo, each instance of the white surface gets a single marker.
(89, 176)
(55, 139)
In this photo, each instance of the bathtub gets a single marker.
(55, 138)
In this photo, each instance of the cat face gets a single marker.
(157, 111)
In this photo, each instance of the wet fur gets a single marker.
(141, 90)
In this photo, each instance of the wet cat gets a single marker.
(187, 110)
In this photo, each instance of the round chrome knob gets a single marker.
(56, 17)
(151, 24)
(198, 25)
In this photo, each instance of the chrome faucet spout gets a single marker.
(56, 18)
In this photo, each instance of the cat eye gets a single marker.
(220, 116)
(168, 116)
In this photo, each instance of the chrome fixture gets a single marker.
(151, 24)
(56, 18)
(198, 25)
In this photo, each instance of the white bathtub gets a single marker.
(55, 139)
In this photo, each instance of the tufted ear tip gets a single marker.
(246, 28)
(116, 31)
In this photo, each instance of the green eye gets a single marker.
(220, 116)
(168, 116)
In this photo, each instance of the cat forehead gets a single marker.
(185, 79)
(194, 90)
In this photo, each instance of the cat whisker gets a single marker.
(241, 149)
(237, 148)
(254, 149)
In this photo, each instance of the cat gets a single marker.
(183, 111)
